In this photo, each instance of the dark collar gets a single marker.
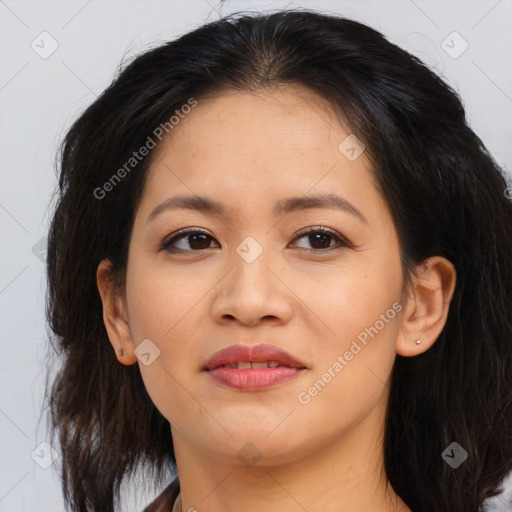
(165, 500)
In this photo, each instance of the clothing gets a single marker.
(168, 500)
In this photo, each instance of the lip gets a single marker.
(252, 379)
(256, 354)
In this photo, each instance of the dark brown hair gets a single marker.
(447, 197)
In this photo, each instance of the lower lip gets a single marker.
(254, 379)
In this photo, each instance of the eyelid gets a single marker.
(180, 233)
(322, 229)
(342, 241)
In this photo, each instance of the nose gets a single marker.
(252, 293)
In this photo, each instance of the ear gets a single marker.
(114, 315)
(426, 307)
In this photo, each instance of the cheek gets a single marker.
(352, 297)
(158, 313)
(163, 307)
(158, 300)
(353, 364)
(361, 308)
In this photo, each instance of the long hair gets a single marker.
(447, 196)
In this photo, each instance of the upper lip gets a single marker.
(255, 353)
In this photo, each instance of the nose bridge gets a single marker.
(250, 250)
(251, 261)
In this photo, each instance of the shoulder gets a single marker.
(165, 500)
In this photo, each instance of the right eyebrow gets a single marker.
(200, 203)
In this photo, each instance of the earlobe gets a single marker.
(114, 315)
(427, 305)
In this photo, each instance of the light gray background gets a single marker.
(40, 97)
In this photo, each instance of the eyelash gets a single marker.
(183, 233)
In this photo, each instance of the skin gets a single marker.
(249, 150)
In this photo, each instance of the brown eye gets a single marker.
(193, 240)
(196, 241)
(320, 238)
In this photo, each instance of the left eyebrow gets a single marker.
(283, 206)
(292, 204)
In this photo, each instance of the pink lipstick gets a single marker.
(253, 368)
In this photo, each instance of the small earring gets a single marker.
(418, 342)
(121, 353)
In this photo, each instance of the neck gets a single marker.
(343, 474)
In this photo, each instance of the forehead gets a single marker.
(273, 135)
(280, 116)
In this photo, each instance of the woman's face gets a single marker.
(249, 279)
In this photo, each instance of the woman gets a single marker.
(280, 264)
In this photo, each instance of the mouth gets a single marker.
(256, 356)
(253, 368)
(246, 365)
